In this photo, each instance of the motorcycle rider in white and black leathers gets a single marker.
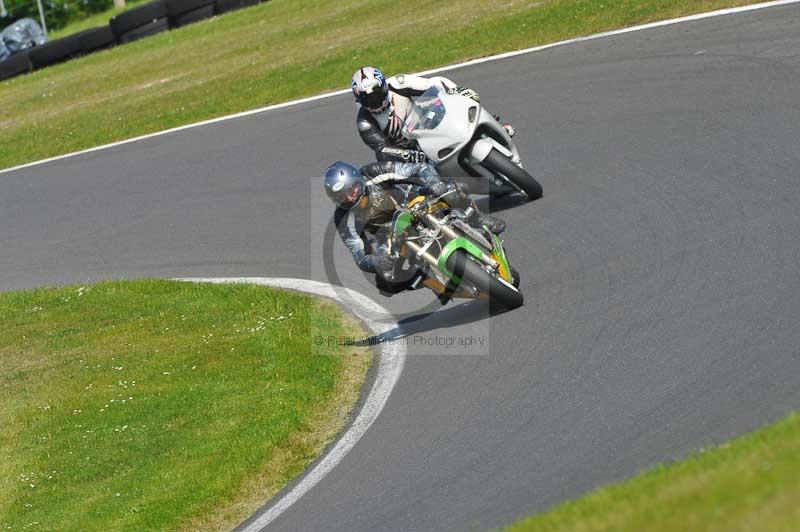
(384, 104)
(366, 199)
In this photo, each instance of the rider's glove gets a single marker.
(466, 91)
(414, 156)
(438, 188)
(510, 131)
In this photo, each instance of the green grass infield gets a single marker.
(749, 484)
(164, 405)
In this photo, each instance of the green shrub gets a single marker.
(58, 13)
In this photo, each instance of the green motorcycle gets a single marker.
(450, 257)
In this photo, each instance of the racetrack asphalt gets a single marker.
(661, 270)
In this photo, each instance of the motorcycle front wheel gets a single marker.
(501, 295)
(497, 163)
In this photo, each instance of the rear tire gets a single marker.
(501, 296)
(497, 163)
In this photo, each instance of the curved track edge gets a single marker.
(391, 359)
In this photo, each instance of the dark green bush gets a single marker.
(58, 13)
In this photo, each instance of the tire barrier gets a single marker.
(54, 52)
(183, 12)
(140, 21)
(95, 39)
(223, 6)
(18, 63)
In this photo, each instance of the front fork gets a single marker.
(455, 241)
(464, 290)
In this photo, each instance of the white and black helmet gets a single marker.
(370, 89)
(344, 184)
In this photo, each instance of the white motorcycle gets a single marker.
(465, 142)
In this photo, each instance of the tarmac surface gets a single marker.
(661, 269)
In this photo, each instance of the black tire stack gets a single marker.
(183, 12)
(140, 21)
(95, 39)
(223, 6)
(18, 63)
(54, 52)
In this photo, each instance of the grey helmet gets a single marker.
(344, 184)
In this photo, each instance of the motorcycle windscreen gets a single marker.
(426, 114)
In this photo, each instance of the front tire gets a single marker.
(501, 295)
(497, 163)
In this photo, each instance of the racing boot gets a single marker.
(495, 225)
(476, 219)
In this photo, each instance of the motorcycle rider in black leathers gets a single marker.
(384, 104)
(366, 199)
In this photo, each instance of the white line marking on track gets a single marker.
(390, 367)
(699, 16)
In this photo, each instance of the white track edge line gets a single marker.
(505, 55)
(390, 367)
(611, 33)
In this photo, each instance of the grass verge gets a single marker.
(159, 405)
(750, 483)
(277, 51)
